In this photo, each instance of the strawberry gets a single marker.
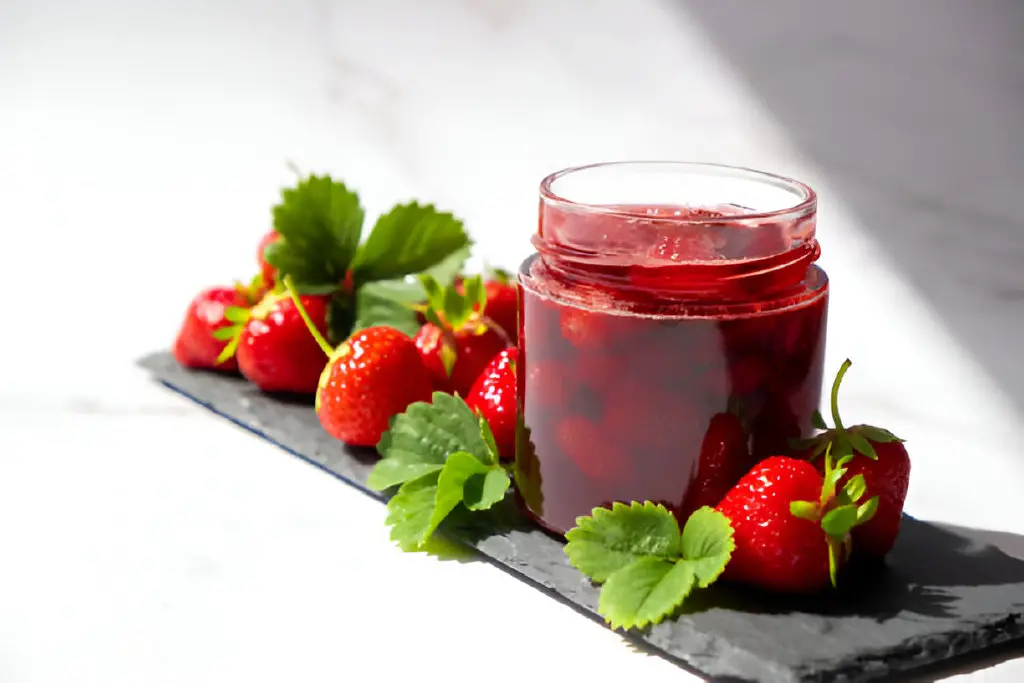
(493, 396)
(724, 458)
(374, 375)
(880, 457)
(457, 342)
(273, 347)
(791, 528)
(268, 271)
(503, 304)
(202, 339)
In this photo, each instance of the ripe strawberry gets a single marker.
(201, 339)
(374, 375)
(880, 457)
(792, 531)
(724, 459)
(268, 271)
(274, 348)
(456, 343)
(503, 306)
(494, 397)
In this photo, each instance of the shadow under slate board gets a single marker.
(946, 592)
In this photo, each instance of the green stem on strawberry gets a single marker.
(294, 294)
(835, 394)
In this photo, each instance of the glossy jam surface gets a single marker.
(663, 373)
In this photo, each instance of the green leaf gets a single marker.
(320, 221)
(426, 433)
(484, 491)
(410, 511)
(608, 540)
(645, 592)
(236, 314)
(804, 509)
(855, 488)
(408, 239)
(838, 521)
(877, 434)
(231, 347)
(488, 436)
(862, 445)
(447, 354)
(390, 472)
(390, 302)
(707, 544)
(226, 333)
(451, 485)
(867, 510)
(818, 421)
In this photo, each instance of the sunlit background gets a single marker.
(143, 143)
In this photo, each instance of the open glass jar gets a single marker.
(672, 334)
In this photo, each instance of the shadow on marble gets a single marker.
(914, 116)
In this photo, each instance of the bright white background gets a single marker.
(141, 146)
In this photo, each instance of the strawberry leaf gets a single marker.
(867, 510)
(408, 239)
(804, 509)
(451, 484)
(609, 540)
(862, 445)
(483, 491)
(226, 333)
(410, 511)
(236, 314)
(645, 592)
(393, 302)
(877, 434)
(818, 421)
(855, 488)
(426, 434)
(707, 544)
(319, 222)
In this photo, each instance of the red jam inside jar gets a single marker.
(672, 334)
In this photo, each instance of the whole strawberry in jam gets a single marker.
(493, 396)
(457, 342)
(724, 459)
(791, 528)
(274, 348)
(202, 336)
(880, 457)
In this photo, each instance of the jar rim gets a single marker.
(807, 203)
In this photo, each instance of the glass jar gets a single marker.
(672, 334)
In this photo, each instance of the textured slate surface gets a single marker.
(946, 591)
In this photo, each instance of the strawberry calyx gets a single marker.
(837, 511)
(841, 439)
(254, 290)
(454, 311)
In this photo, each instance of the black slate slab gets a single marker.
(946, 591)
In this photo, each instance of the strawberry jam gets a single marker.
(672, 334)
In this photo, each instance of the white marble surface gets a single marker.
(141, 145)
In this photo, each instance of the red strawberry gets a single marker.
(597, 457)
(268, 271)
(724, 459)
(274, 348)
(200, 340)
(494, 397)
(503, 306)
(457, 343)
(881, 458)
(374, 375)
(792, 532)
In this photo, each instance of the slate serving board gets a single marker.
(947, 591)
